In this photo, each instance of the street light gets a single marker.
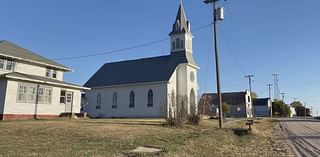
(218, 15)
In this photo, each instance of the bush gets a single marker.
(178, 112)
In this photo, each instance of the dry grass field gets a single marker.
(113, 137)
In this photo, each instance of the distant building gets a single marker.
(32, 86)
(240, 104)
(292, 111)
(143, 87)
(262, 107)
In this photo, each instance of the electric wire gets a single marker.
(126, 48)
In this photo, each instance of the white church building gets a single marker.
(144, 87)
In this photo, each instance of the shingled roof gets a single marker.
(260, 101)
(232, 98)
(8, 49)
(145, 70)
(40, 79)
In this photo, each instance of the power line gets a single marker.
(127, 48)
(231, 52)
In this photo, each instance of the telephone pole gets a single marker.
(276, 86)
(269, 87)
(250, 81)
(217, 15)
(282, 94)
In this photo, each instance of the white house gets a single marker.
(143, 87)
(32, 86)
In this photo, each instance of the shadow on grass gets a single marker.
(241, 131)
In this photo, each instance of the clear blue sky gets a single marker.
(257, 37)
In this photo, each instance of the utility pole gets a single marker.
(282, 94)
(250, 81)
(276, 86)
(217, 15)
(269, 87)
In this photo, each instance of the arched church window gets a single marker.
(173, 45)
(177, 43)
(192, 101)
(150, 98)
(98, 101)
(131, 104)
(182, 44)
(114, 100)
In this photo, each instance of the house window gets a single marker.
(27, 93)
(63, 95)
(51, 73)
(9, 65)
(48, 73)
(150, 98)
(54, 74)
(131, 105)
(31, 94)
(41, 95)
(249, 99)
(22, 95)
(1, 64)
(114, 100)
(69, 97)
(98, 101)
(6, 65)
(177, 43)
(47, 96)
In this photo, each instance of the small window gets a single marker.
(182, 44)
(51, 73)
(173, 45)
(131, 105)
(114, 100)
(54, 74)
(98, 101)
(63, 97)
(48, 73)
(69, 97)
(1, 64)
(9, 65)
(150, 98)
(249, 99)
(47, 96)
(177, 43)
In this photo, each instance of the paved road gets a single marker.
(303, 135)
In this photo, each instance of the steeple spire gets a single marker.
(181, 24)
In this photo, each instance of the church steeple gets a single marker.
(181, 24)
(181, 37)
